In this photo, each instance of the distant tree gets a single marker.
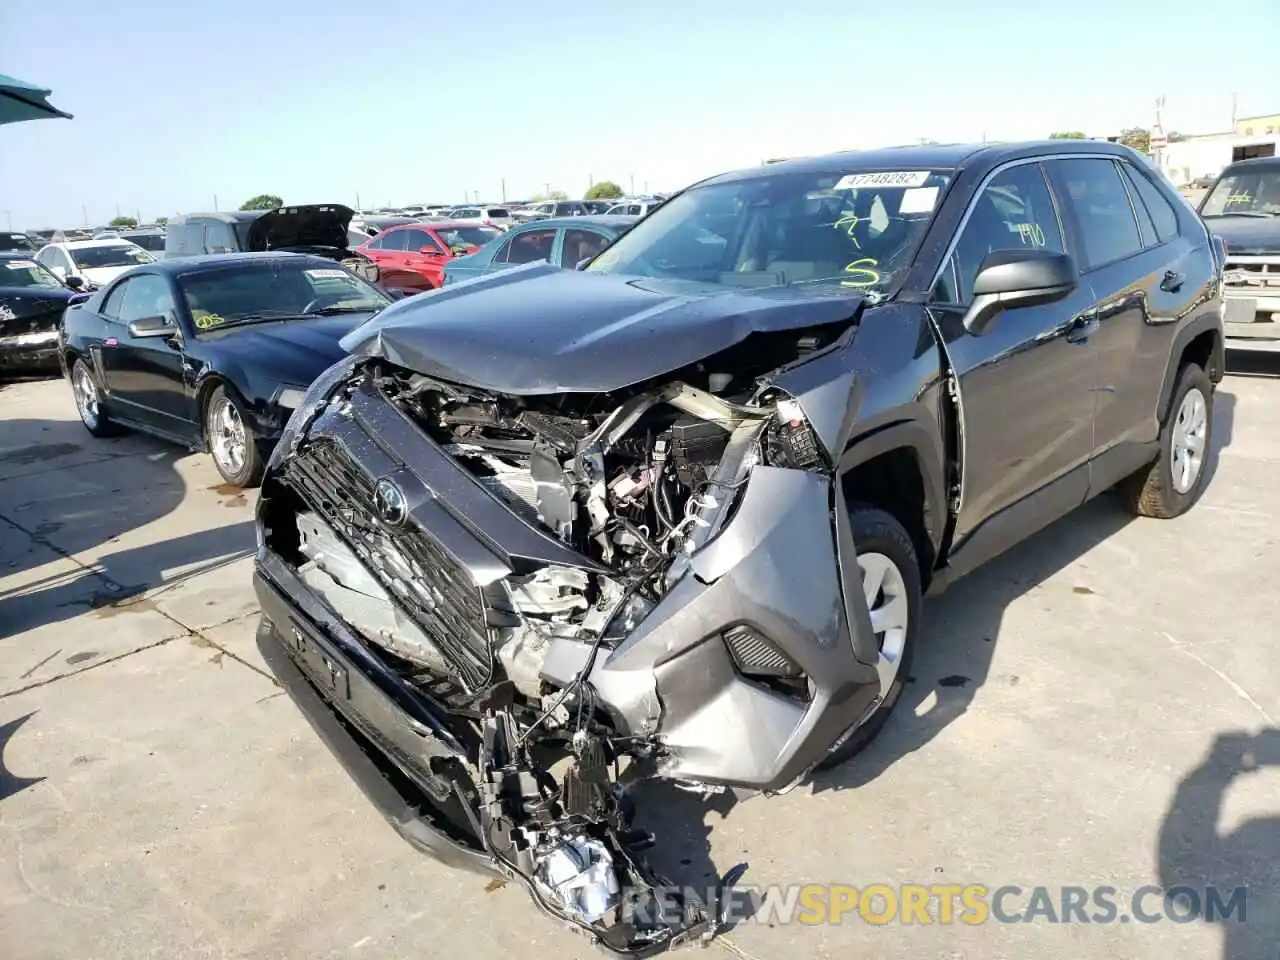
(263, 201)
(603, 190)
(123, 222)
(1067, 135)
(1137, 137)
(162, 221)
(556, 195)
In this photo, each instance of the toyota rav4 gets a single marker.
(672, 515)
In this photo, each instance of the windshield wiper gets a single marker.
(1243, 213)
(333, 311)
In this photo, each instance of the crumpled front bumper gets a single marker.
(353, 707)
(29, 350)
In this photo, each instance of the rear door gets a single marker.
(1139, 267)
(423, 258)
(1027, 381)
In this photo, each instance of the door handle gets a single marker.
(1081, 326)
(1172, 281)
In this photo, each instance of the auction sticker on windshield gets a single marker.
(28, 264)
(900, 178)
(328, 274)
(918, 200)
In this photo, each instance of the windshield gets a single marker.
(253, 292)
(455, 237)
(116, 255)
(26, 273)
(1248, 192)
(859, 230)
(466, 213)
(153, 242)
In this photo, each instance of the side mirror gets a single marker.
(366, 270)
(75, 283)
(152, 327)
(1017, 278)
(78, 298)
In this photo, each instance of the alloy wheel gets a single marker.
(1187, 439)
(886, 592)
(227, 439)
(86, 396)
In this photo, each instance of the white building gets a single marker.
(1205, 155)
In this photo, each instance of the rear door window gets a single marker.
(1163, 216)
(1092, 190)
(528, 247)
(581, 245)
(219, 237)
(395, 240)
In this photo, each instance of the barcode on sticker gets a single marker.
(890, 178)
(327, 274)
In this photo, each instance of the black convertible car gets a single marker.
(31, 303)
(211, 352)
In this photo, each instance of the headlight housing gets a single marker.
(789, 440)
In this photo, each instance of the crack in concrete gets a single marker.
(93, 666)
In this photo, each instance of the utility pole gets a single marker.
(504, 189)
(633, 184)
(1233, 113)
(215, 203)
(84, 213)
(358, 207)
(9, 216)
(548, 193)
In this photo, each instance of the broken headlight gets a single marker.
(789, 440)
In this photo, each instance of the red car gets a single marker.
(412, 256)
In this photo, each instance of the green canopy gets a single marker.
(21, 101)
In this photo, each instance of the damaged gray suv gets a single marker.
(548, 532)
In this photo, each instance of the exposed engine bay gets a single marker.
(631, 486)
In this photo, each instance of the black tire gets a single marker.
(877, 532)
(1153, 490)
(92, 409)
(245, 470)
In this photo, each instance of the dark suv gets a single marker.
(678, 510)
(319, 229)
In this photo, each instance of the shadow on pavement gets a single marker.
(1202, 870)
(120, 577)
(1253, 364)
(64, 493)
(958, 639)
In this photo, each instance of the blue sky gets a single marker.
(401, 101)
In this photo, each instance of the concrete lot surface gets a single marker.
(1099, 707)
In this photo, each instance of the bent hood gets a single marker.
(314, 225)
(294, 352)
(1247, 236)
(538, 329)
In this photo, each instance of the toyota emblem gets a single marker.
(391, 505)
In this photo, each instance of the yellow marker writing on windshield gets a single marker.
(1031, 233)
(863, 274)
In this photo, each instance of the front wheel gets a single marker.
(232, 441)
(891, 584)
(1169, 486)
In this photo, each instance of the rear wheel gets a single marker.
(232, 441)
(1169, 486)
(891, 585)
(84, 387)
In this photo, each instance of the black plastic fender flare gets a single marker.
(1181, 340)
(914, 436)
